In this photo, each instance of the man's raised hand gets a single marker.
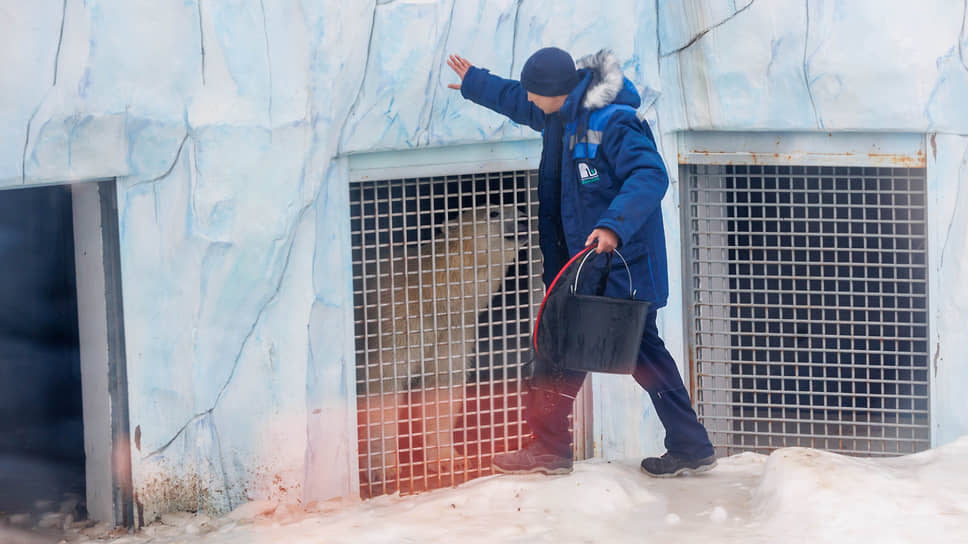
(460, 65)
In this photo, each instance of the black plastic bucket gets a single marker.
(589, 332)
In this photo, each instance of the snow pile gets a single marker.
(38, 500)
(808, 495)
(794, 495)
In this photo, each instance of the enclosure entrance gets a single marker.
(41, 427)
(807, 296)
(64, 447)
(446, 280)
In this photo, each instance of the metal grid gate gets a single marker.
(446, 280)
(808, 298)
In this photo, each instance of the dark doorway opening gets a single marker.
(42, 461)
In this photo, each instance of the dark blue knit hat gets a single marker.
(549, 72)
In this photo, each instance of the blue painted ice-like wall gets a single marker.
(227, 124)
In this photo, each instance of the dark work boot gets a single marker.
(670, 466)
(533, 458)
(546, 410)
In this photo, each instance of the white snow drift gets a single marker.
(794, 495)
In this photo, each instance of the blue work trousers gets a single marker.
(551, 394)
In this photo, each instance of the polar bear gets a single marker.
(426, 312)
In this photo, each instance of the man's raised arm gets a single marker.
(504, 96)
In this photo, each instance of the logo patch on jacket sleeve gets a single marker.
(587, 173)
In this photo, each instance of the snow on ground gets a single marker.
(794, 495)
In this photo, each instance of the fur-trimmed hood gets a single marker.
(607, 85)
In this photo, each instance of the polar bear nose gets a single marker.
(495, 214)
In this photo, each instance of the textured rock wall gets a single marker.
(227, 123)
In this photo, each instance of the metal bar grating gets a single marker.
(808, 298)
(446, 280)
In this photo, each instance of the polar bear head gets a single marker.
(489, 228)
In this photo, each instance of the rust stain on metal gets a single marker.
(934, 146)
(937, 352)
(141, 510)
(683, 158)
(694, 381)
(917, 160)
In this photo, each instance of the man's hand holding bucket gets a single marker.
(607, 240)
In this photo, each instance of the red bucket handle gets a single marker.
(534, 334)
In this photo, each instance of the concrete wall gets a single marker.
(91, 303)
(227, 124)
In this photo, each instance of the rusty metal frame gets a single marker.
(885, 153)
(887, 149)
(122, 487)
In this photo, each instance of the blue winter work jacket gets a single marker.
(599, 168)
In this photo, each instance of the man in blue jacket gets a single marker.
(600, 181)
